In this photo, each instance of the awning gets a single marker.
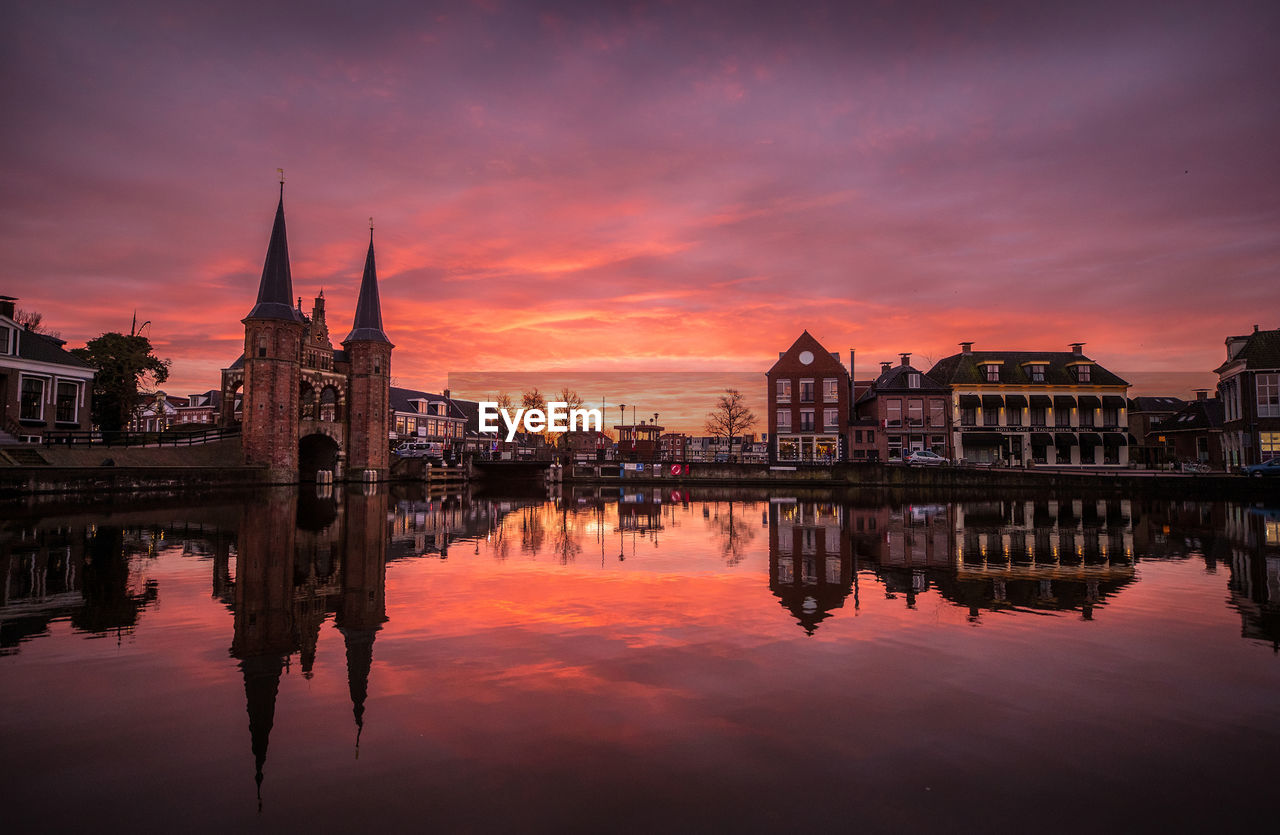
(1111, 401)
(970, 401)
(1115, 439)
(1066, 439)
(1088, 401)
(1041, 439)
(1015, 401)
(1090, 439)
(1063, 401)
(1038, 400)
(992, 401)
(981, 439)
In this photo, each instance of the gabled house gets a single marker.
(43, 387)
(902, 410)
(1194, 432)
(809, 410)
(1249, 385)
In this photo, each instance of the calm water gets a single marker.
(650, 661)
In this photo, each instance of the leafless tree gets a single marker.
(731, 417)
(33, 320)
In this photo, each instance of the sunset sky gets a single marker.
(655, 186)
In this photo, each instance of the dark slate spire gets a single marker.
(359, 662)
(275, 293)
(261, 684)
(368, 324)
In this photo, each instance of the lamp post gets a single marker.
(621, 423)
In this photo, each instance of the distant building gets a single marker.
(673, 446)
(1194, 433)
(42, 386)
(902, 410)
(423, 416)
(638, 441)
(808, 397)
(1146, 448)
(1046, 407)
(153, 413)
(200, 408)
(1249, 385)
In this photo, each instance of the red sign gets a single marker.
(679, 469)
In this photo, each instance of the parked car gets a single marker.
(1271, 467)
(420, 449)
(926, 457)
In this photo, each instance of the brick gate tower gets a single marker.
(304, 406)
(369, 352)
(273, 333)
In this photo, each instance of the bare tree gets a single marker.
(731, 417)
(33, 320)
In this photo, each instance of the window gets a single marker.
(1037, 416)
(913, 380)
(784, 420)
(1268, 386)
(32, 406)
(262, 346)
(1269, 444)
(1086, 417)
(806, 391)
(990, 415)
(806, 420)
(968, 416)
(1110, 416)
(992, 372)
(830, 390)
(1061, 417)
(915, 412)
(1037, 373)
(937, 412)
(783, 394)
(893, 411)
(66, 403)
(1013, 415)
(6, 341)
(1083, 374)
(829, 420)
(895, 446)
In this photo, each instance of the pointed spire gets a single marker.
(261, 684)
(275, 292)
(368, 322)
(359, 644)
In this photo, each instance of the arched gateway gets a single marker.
(303, 404)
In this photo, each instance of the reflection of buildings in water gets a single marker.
(295, 565)
(1043, 554)
(431, 526)
(810, 559)
(86, 575)
(1254, 536)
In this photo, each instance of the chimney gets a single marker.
(446, 394)
(885, 366)
(966, 347)
(1255, 328)
(7, 306)
(1202, 394)
(906, 358)
(1077, 348)
(850, 363)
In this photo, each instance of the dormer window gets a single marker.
(6, 341)
(991, 372)
(913, 380)
(1082, 374)
(1037, 373)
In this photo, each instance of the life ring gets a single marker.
(676, 469)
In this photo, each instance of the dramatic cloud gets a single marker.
(662, 186)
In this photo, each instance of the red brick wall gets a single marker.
(270, 429)
(824, 366)
(368, 420)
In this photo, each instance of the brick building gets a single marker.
(303, 404)
(1194, 432)
(1249, 385)
(902, 410)
(42, 386)
(808, 397)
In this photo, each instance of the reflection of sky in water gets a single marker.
(647, 664)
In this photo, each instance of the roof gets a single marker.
(1156, 404)
(275, 290)
(963, 369)
(1260, 350)
(895, 379)
(367, 326)
(823, 359)
(41, 348)
(1198, 415)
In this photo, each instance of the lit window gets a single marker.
(783, 392)
(830, 390)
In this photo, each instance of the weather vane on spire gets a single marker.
(280, 171)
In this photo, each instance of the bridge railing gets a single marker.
(125, 438)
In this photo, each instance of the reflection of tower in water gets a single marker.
(295, 565)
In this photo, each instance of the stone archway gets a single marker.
(316, 452)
